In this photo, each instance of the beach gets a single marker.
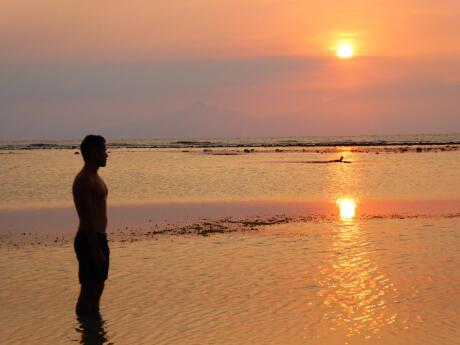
(230, 172)
(228, 246)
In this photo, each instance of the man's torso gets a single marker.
(96, 191)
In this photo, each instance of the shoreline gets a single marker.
(218, 149)
(129, 223)
(205, 228)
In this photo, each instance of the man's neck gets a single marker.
(92, 168)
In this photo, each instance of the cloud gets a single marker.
(230, 97)
(87, 81)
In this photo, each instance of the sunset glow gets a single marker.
(347, 208)
(344, 51)
(283, 68)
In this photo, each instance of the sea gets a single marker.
(293, 240)
(307, 141)
(40, 173)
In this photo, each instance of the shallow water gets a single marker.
(43, 178)
(377, 281)
(389, 275)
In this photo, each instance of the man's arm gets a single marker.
(82, 192)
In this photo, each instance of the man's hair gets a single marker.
(91, 142)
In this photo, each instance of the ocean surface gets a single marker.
(242, 241)
(310, 141)
(419, 167)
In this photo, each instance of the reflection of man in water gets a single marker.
(90, 197)
(92, 330)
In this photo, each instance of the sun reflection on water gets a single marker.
(347, 207)
(353, 289)
(355, 292)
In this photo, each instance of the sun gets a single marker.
(344, 51)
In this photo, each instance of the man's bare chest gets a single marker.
(100, 190)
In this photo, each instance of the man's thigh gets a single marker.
(92, 289)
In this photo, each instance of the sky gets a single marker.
(227, 68)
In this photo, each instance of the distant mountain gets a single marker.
(196, 120)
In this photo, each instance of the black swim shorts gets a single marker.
(87, 271)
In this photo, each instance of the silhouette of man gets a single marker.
(91, 247)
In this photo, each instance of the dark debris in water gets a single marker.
(282, 146)
(390, 149)
(204, 227)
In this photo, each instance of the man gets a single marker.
(90, 197)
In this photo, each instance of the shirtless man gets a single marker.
(90, 197)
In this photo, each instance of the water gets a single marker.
(43, 177)
(382, 281)
(353, 276)
(311, 141)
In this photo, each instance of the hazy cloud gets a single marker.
(229, 97)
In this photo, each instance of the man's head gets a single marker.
(93, 150)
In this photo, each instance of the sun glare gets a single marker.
(347, 208)
(344, 51)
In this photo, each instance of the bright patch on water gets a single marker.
(347, 208)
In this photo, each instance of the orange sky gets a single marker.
(141, 29)
(253, 59)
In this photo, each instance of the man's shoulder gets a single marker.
(83, 179)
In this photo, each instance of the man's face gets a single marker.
(101, 156)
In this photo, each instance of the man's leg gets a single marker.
(89, 299)
(98, 290)
(85, 300)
